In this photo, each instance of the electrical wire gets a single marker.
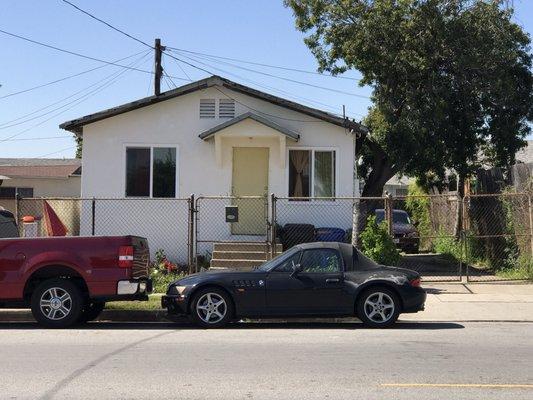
(112, 79)
(66, 77)
(286, 79)
(55, 152)
(38, 138)
(264, 65)
(79, 54)
(9, 124)
(6, 124)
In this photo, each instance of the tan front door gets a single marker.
(250, 178)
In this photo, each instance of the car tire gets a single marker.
(211, 308)
(378, 307)
(91, 311)
(57, 303)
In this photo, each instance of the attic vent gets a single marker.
(226, 108)
(207, 108)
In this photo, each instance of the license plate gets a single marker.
(396, 241)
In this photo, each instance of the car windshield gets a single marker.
(276, 260)
(398, 216)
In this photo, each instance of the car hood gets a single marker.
(403, 228)
(208, 275)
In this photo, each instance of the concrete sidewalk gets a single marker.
(476, 302)
(454, 302)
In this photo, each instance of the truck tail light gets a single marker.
(125, 256)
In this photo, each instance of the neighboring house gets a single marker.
(217, 137)
(398, 185)
(38, 177)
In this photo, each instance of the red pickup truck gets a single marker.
(67, 280)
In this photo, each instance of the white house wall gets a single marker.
(176, 122)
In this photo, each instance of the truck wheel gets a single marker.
(211, 308)
(91, 311)
(378, 307)
(57, 303)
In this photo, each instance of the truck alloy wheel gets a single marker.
(57, 303)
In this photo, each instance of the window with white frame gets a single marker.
(151, 172)
(312, 173)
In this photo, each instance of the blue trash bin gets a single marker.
(330, 235)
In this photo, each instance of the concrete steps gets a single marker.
(240, 255)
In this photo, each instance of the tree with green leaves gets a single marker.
(452, 82)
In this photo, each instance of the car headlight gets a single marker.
(180, 289)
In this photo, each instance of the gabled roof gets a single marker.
(40, 167)
(76, 125)
(249, 115)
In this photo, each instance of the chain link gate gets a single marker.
(231, 231)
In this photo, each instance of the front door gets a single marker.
(250, 178)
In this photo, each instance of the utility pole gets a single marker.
(158, 67)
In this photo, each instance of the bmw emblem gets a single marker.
(261, 283)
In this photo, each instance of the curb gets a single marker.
(18, 315)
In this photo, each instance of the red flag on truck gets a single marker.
(54, 226)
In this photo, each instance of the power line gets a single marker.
(265, 65)
(9, 124)
(111, 79)
(285, 79)
(79, 54)
(66, 77)
(38, 138)
(55, 152)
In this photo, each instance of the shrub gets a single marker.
(163, 272)
(377, 244)
(418, 206)
(448, 246)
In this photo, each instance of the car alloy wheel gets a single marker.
(211, 308)
(379, 307)
(55, 303)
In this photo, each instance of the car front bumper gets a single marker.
(175, 304)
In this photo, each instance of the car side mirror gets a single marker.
(296, 269)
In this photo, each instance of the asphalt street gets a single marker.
(414, 360)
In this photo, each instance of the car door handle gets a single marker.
(333, 280)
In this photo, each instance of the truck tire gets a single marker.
(91, 311)
(57, 303)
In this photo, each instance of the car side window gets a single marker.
(287, 265)
(321, 261)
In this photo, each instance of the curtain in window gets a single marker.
(324, 183)
(300, 161)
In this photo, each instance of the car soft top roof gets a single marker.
(346, 249)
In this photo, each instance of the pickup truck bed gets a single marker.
(67, 280)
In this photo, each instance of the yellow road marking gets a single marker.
(460, 385)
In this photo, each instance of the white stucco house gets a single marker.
(216, 137)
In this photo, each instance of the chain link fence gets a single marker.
(231, 231)
(498, 236)
(482, 237)
(164, 222)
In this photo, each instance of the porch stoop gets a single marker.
(240, 255)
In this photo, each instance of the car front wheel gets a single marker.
(378, 307)
(211, 308)
(57, 303)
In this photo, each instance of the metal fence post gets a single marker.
(530, 225)
(190, 236)
(93, 215)
(389, 214)
(273, 229)
(17, 209)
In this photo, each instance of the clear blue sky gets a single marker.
(259, 30)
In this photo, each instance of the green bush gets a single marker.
(417, 204)
(448, 246)
(519, 268)
(377, 244)
(163, 272)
